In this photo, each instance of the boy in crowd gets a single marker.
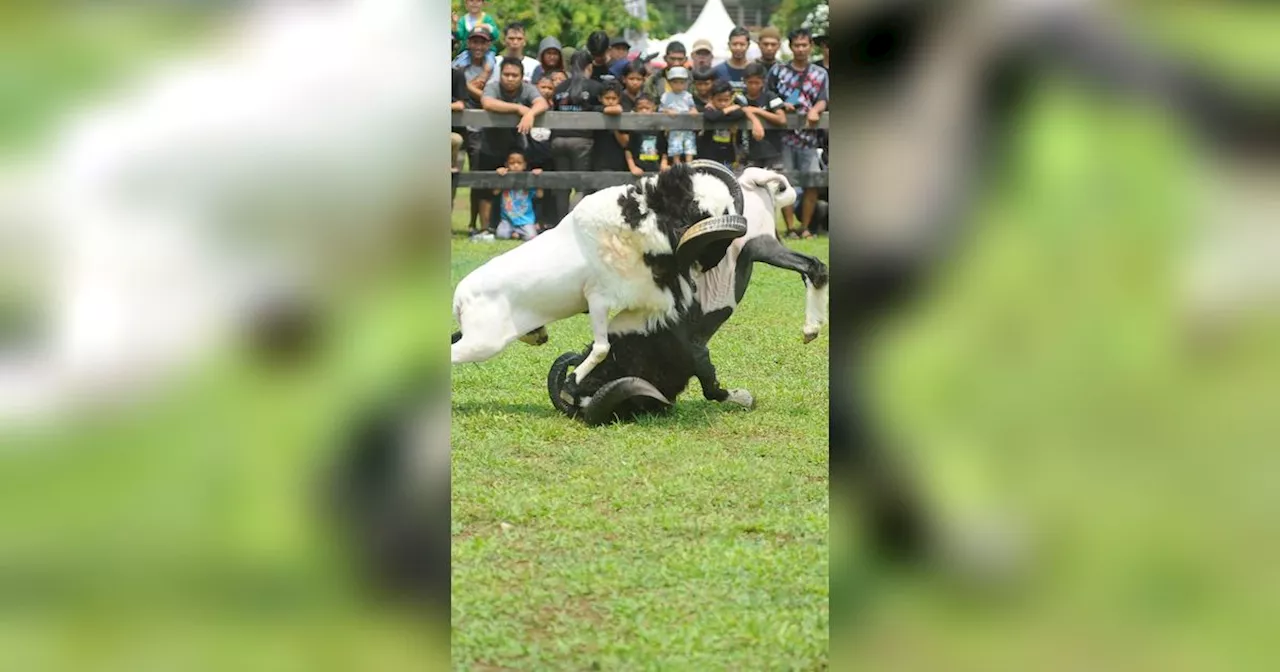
(514, 39)
(476, 16)
(732, 70)
(608, 153)
(718, 144)
(647, 151)
(681, 144)
(517, 218)
(703, 79)
(538, 153)
(660, 81)
(764, 146)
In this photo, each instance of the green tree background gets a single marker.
(791, 13)
(570, 21)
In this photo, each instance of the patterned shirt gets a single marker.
(804, 89)
(517, 207)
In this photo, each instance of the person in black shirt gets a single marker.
(608, 153)
(703, 80)
(571, 149)
(718, 144)
(458, 134)
(647, 151)
(598, 47)
(633, 77)
(538, 153)
(764, 108)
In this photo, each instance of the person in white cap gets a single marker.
(681, 145)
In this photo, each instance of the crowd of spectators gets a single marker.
(603, 76)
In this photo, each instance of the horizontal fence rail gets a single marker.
(587, 180)
(627, 121)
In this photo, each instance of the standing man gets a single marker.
(476, 74)
(770, 41)
(674, 58)
(732, 70)
(803, 88)
(509, 95)
(702, 55)
(514, 39)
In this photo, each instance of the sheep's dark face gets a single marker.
(697, 207)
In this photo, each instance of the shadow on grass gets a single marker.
(506, 408)
(691, 414)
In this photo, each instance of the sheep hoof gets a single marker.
(742, 398)
(810, 334)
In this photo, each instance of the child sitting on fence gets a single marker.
(681, 144)
(647, 151)
(517, 217)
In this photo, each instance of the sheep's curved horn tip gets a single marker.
(720, 172)
(556, 379)
(624, 398)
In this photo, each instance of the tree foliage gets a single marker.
(569, 21)
(792, 13)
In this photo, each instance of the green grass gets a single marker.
(694, 541)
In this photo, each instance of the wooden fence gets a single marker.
(592, 121)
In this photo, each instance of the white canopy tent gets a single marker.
(714, 25)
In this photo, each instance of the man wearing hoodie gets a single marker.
(550, 59)
(514, 38)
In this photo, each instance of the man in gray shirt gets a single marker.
(510, 94)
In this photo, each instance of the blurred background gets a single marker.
(179, 511)
(1084, 391)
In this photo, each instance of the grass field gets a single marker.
(694, 541)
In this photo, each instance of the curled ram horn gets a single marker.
(557, 378)
(707, 241)
(623, 399)
(722, 173)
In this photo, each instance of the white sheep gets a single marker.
(625, 250)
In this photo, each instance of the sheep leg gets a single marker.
(811, 269)
(706, 373)
(477, 348)
(599, 312)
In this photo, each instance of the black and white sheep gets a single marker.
(626, 251)
(647, 368)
